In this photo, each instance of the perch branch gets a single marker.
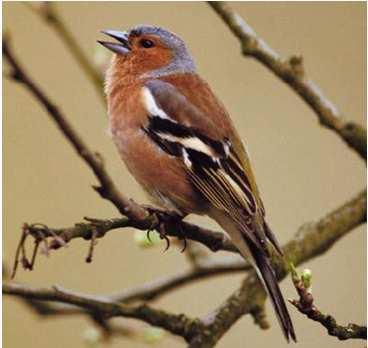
(305, 305)
(55, 238)
(292, 72)
(213, 240)
(312, 240)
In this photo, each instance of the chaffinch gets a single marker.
(180, 144)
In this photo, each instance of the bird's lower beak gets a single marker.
(121, 47)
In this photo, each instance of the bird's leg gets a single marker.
(168, 221)
(172, 222)
(160, 213)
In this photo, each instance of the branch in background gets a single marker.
(107, 188)
(195, 253)
(47, 11)
(305, 305)
(132, 331)
(104, 329)
(312, 240)
(151, 290)
(156, 288)
(176, 324)
(206, 268)
(292, 72)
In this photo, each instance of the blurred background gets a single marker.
(303, 170)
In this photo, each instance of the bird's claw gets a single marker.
(184, 244)
(162, 232)
(148, 235)
(166, 220)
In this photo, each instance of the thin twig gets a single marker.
(92, 244)
(312, 240)
(48, 12)
(305, 305)
(292, 72)
(107, 188)
(19, 251)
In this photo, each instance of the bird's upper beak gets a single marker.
(121, 47)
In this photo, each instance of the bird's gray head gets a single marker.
(150, 51)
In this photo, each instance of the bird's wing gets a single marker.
(215, 164)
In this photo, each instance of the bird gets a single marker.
(179, 143)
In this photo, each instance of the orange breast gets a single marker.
(160, 174)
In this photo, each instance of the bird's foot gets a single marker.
(168, 222)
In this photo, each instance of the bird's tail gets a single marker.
(265, 272)
(267, 275)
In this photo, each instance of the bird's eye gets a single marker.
(146, 43)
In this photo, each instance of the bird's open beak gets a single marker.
(121, 47)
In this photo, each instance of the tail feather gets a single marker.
(267, 275)
(258, 257)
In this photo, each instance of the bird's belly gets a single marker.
(162, 176)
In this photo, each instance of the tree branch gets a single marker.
(150, 290)
(107, 188)
(154, 289)
(299, 248)
(47, 12)
(160, 286)
(176, 324)
(305, 305)
(312, 240)
(55, 238)
(292, 72)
